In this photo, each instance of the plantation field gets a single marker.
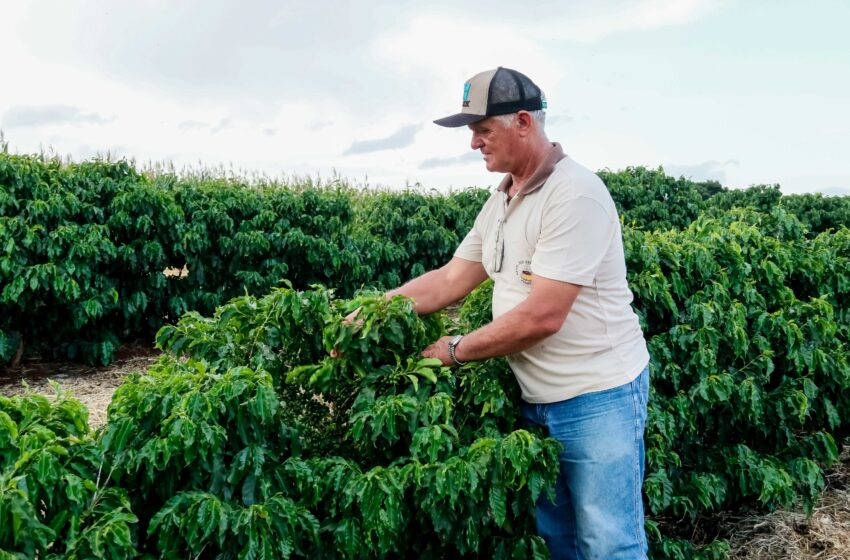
(785, 534)
(244, 437)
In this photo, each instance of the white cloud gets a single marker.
(711, 170)
(436, 163)
(833, 184)
(437, 53)
(320, 124)
(490, 34)
(592, 22)
(38, 115)
(835, 191)
(401, 138)
(192, 125)
(222, 124)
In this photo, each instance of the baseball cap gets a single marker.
(495, 92)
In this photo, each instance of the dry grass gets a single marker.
(791, 535)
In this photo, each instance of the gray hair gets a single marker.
(539, 116)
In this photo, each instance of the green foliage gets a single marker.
(85, 247)
(410, 233)
(476, 310)
(250, 438)
(762, 198)
(749, 362)
(820, 213)
(278, 331)
(274, 428)
(59, 266)
(57, 497)
(650, 199)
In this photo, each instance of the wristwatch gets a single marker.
(452, 345)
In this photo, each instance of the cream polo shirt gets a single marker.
(562, 226)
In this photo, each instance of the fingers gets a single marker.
(439, 349)
(349, 320)
(351, 317)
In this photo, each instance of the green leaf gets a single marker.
(498, 506)
(415, 381)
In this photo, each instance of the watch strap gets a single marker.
(452, 345)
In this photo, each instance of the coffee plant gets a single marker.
(252, 437)
(57, 496)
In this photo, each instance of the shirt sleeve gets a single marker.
(575, 236)
(470, 248)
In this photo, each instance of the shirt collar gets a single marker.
(538, 178)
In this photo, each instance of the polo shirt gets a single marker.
(563, 226)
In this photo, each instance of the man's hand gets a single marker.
(350, 319)
(439, 350)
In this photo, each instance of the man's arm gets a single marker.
(438, 288)
(539, 316)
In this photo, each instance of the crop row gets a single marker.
(84, 247)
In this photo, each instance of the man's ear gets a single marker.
(524, 122)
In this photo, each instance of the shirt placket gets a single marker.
(507, 208)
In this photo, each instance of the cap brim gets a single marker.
(460, 119)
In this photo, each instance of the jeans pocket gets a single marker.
(641, 391)
(640, 386)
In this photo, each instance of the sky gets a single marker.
(742, 92)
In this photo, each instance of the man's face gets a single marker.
(495, 141)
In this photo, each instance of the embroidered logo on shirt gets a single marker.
(523, 272)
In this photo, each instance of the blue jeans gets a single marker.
(598, 507)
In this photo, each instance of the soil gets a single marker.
(777, 535)
(91, 385)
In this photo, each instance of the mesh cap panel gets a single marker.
(512, 91)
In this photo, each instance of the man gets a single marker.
(550, 238)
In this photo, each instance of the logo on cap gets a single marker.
(466, 87)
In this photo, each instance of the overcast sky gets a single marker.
(740, 91)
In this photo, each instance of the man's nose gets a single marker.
(476, 142)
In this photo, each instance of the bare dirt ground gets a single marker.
(91, 385)
(778, 535)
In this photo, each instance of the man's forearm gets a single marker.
(513, 332)
(436, 289)
(539, 316)
(424, 291)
